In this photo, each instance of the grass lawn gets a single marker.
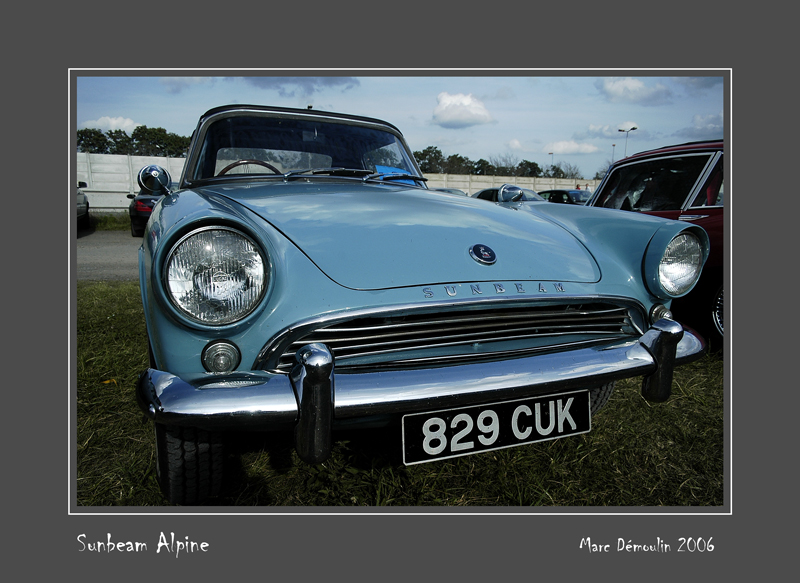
(637, 454)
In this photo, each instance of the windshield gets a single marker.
(278, 145)
(581, 196)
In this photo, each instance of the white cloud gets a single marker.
(302, 86)
(698, 85)
(704, 127)
(515, 145)
(607, 131)
(178, 84)
(708, 122)
(107, 123)
(460, 111)
(569, 147)
(599, 131)
(630, 90)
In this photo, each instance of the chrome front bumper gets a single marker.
(314, 398)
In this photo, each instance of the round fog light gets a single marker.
(221, 356)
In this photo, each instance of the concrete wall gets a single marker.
(111, 178)
(471, 184)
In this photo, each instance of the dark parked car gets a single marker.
(491, 194)
(303, 279)
(457, 191)
(682, 182)
(566, 196)
(154, 183)
(84, 220)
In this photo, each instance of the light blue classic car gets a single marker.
(304, 279)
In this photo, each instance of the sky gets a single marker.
(541, 116)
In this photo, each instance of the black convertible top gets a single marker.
(294, 111)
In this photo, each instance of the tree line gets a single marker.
(143, 141)
(432, 161)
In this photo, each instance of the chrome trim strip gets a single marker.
(165, 398)
(269, 357)
(392, 347)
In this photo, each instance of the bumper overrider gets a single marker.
(313, 398)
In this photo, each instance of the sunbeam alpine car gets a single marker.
(304, 279)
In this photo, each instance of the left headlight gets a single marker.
(216, 275)
(675, 271)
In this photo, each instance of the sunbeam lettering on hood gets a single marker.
(371, 237)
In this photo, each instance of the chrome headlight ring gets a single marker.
(216, 275)
(673, 262)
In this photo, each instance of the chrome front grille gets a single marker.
(459, 335)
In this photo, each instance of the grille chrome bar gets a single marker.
(453, 337)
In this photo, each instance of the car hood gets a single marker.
(370, 236)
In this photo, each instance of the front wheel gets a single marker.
(599, 396)
(189, 463)
(717, 310)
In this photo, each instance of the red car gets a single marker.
(682, 182)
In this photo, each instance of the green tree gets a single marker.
(430, 160)
(457, 164)
(177, 146)
(529, 169)
(571, 171)
(483, 168)
(603, 170)
(564, 170)
(149, 141)
(143, 141)
(119, 142)
(555, 172)
(158, 142)
(92, 141)
(505, 165)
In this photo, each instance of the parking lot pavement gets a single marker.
(107, 255)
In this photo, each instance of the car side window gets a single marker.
(653, 185)
(712, 192)
(489, 195)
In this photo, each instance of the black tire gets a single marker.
(717, 310)
(599, 396)
(189, 464)
(136, 232)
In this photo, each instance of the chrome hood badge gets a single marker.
(483, 254)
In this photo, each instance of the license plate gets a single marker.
(452, 433)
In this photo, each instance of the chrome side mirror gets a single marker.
(154, 179)
(509, 193)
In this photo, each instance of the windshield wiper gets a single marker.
(338, 171)
(394, 176)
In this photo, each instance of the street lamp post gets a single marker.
(612, 152)
(626, 138)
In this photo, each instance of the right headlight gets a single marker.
(677, 269)
(216, 275)
(681, 264)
